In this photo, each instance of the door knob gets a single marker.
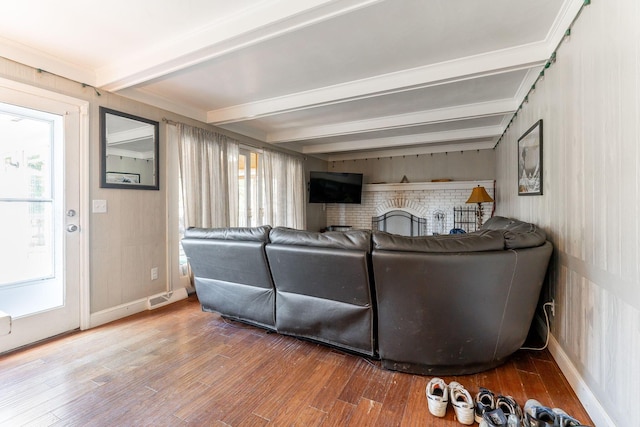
(71, 228)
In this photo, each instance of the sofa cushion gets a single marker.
(252, 234)
(517, 234)
(483, 240)
(353, 239)
(498, 223)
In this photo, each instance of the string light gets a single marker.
(551, 60)
(40, 71)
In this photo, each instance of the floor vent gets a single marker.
(165, 298)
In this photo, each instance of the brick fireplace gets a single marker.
(423, 199)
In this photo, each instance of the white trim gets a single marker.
(421, 186)
(567, 14)
(85, 251)
(588, 399)
(117, 312)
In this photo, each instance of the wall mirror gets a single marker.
(129, 151)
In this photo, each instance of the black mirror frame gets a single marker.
(103, 151)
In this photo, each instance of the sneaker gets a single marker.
(462, 403)
(510, 407)
(565, 420)
(437, 397)
(537, 415)
(485, 402)
(494, 418)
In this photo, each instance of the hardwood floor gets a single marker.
(178, 365)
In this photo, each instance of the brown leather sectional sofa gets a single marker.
(452, 304)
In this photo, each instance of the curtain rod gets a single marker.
(171, 122)
(174, 123)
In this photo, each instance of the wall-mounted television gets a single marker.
(335, 187)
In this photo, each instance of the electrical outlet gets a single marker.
(154, 273)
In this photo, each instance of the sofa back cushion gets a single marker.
(249, 234)
(234, 255)
(231, 272)
(323, 286)
(358, 240)
(484, 240)
(517, 234)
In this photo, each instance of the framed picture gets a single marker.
(530, 161)
(123, 178)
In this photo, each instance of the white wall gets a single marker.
(589, 101)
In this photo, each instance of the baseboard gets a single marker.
(586, 396)
(118, 312)
(133, 307)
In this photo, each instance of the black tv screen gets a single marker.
(335, 187)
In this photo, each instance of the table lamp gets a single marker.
(479, 195)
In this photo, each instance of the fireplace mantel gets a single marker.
(420, 186)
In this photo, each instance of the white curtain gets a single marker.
(283, 190)
(209, 177)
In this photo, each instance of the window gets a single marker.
(248, 189)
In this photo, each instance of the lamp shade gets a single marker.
(479, 195)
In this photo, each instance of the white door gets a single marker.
(39, 216)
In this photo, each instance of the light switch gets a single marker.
(99, 206)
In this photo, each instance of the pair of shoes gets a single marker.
(494, 418)
(537, 415)
(486, 401)
(462, 403)
(510, 407)
(437, 397)
(439, 394)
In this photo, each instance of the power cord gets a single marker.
(546, 318)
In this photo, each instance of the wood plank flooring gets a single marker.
(177, 365)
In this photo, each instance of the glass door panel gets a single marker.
(39, 176)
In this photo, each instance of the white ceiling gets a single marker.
(338, 79)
